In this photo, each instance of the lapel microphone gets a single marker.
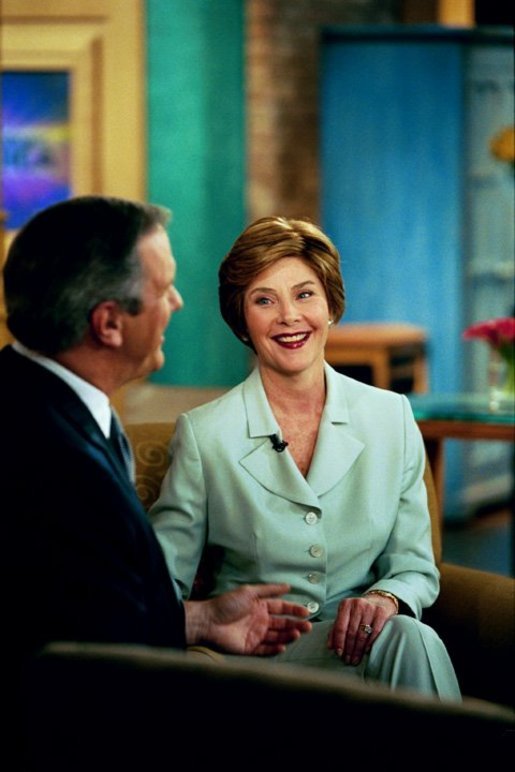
(277, 444)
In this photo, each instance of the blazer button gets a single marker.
(316, 551)
(312, 606)
(314, 578)
(311, 518)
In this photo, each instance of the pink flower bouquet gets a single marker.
(499, 334)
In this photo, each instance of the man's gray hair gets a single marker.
(69, 258)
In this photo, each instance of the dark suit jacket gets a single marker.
(80, 560)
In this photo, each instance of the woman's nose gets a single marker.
(288, 313)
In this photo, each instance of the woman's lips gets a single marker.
(292, 340)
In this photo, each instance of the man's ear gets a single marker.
(106, 324)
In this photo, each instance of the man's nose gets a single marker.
(175, 298)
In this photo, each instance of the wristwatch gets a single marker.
(385, 594)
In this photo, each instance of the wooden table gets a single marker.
(391, 350)
(460, 417)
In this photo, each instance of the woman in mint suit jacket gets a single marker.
(303, 475)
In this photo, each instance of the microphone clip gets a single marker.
(277, 444)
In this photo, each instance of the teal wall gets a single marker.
(196, 160)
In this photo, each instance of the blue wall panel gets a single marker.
(392, 193)
(391, 182)
(404, 113)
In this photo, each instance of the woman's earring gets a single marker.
(245, 338)
(330, 322)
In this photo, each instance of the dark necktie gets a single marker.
(120, 445)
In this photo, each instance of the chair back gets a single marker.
(150, 442)
(435, 513)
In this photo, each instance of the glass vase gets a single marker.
(501, 381)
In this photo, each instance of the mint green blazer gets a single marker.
(359, 520)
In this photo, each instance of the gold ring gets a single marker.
(366, 629)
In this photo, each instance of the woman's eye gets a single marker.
(305, 294)
(262, 301)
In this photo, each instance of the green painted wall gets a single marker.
(196, 160)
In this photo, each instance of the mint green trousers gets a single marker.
(407, 654)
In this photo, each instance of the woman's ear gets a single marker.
(106, 324)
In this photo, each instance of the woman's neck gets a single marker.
(297, 402)
(298, 393)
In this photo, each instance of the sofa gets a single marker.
(474, 613)
(109, 708)
(92, 706)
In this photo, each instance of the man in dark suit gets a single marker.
(89, 289)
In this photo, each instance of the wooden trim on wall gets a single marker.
(101, 44)
(450, 13)
(456, 13)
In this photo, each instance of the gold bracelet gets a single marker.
(385, 594)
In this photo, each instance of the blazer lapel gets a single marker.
(67, 408)
(277, 472)
(78, 415)
(337, 449)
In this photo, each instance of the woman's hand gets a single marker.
(253, 619)
(358, 623)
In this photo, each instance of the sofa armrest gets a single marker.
(475, 616)
(136, 708)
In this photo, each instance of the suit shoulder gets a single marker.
(217, 411)
(366, 405)
(357, 390)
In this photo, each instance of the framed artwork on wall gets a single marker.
(72, 106)
(36, 140)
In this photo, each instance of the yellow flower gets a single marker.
(502, 144)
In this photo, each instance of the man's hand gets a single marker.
(249, 620)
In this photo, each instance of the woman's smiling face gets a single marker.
(287, 317)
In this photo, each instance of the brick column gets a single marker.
(282, 75)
